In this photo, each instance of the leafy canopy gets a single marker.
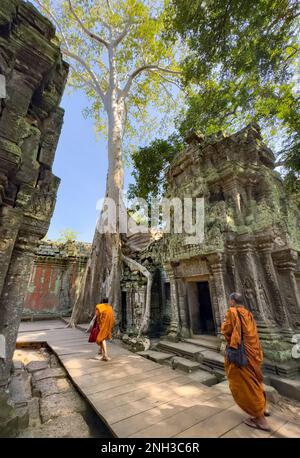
(242, 64)
(135, 28)
(149, 165)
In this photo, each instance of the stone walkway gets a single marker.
(136, 397)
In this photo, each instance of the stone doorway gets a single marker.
(200, 308)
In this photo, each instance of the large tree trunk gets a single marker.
(103, 270)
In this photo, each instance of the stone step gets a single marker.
(207, 342)
(204, 377)
(184, 364)
(156, 356)
(271, 393)
(286, 387)
(180, 349)
(212, 359)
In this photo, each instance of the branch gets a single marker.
(85, 80)
(54, 20)
(122, 34)
(89, 70)
(279, 163)
(109, 6)
(139, 70)
(173, 82)
(87, 31)
(167, 92)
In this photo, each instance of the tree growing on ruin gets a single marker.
(117, 54)
(241, 64)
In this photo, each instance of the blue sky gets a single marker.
(81, 163)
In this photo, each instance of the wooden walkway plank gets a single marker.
(242, 431)
(215, 425)
(136, 397)
(100, 385)
(288, 430)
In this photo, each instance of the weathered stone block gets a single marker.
(23, 417)
(35, 366)
(286, 387)
(34, 412)
(49, 386)
(70, 426)
(20, 388)
(49, 373)
(59, 405)
(272, 394)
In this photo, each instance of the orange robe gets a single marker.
(245, 383)
(106, 320)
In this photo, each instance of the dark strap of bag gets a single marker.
(242, 334)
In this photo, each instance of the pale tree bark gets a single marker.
(103, 270)
(105, 259)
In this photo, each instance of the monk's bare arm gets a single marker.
(227, 328)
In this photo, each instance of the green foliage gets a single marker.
(142, 43)
(67, 235)
(242, 64)
(292, 184)
(149, 165)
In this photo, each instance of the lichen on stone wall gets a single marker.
(32, 66)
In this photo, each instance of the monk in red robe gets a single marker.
(245, 383)
(106, 320)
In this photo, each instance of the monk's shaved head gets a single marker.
(237, 298)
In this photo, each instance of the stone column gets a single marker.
(286, 261)
(251, 289)
(173, 330)
(185, 329)
(277, 305)
(12, 298)
(216, 264)
(10, 219)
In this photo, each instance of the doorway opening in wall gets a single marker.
(200, 308)
(124, 311)
(206, 318)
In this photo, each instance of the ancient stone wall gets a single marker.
(30, 123)
(251, 244)
(55, 279)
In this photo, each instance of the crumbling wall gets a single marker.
(55, 279)
(30, 123)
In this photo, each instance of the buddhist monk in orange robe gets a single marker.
(106, 320)
(245, 383)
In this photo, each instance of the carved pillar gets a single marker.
(10, 219)
(237, 283)
(286, 261)
(251, 282)
(185, 330)
(13, 294)
(231, 190)
(173, 330)
(280, 314)
(3, 186)
(216, 263)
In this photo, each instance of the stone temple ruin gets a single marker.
(55, 279)
(30, 124)
(251, 245)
